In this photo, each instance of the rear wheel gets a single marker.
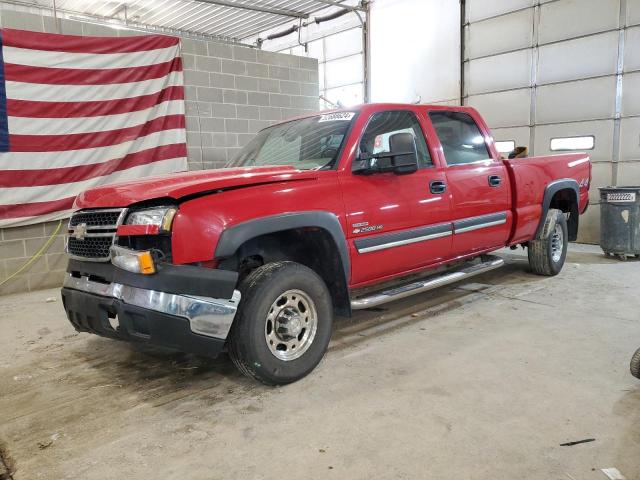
(548, 252)
(283, 325)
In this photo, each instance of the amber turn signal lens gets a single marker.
(145, 260)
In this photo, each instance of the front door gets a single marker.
(396, 222)
(478, 183)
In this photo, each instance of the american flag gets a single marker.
(76, 112)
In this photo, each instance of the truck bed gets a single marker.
(529, 177)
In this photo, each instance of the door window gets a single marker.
(385, 124)
(461, 139)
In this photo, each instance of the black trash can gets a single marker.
(620, 221)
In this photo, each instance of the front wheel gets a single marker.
(284, 323)
(548, 252)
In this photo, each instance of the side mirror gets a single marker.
(404, 151)
(401, 158)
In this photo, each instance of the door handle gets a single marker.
(495, 180)
(437, 186)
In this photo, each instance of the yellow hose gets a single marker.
(36, 256)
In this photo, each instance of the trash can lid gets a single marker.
(620, 189)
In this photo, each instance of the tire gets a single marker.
(267, 330)
(548, 252)
(635, 364)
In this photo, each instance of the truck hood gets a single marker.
(180, 185)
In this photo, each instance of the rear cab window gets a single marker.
(461, 139)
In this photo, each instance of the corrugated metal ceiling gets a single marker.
(197, 16)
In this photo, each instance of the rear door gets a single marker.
(478, 183)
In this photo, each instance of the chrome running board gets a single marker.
(489, 262)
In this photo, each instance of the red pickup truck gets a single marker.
(316, 216)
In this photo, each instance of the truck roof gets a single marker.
(372, 107)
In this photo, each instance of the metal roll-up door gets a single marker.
(560, 69)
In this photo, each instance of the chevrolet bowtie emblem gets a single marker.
(80, 231)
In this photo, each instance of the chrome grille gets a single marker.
(90, 247)
(92, 232)
(96, 218)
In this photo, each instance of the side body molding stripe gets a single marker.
(429, 232)
(483, 221)
(406, 237)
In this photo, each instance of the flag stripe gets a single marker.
(45, 143)
(81, 112)
(35, 208)
(61, 190)
(75, 76)
(79, 44)
(88, 93)
(47, 217)
(44, 126)
(52, 176)
(31, 109)
(39, 58)
(89, 156)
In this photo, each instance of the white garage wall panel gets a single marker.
(631, 94)
(544, 69)
(630, 139)
(482, 9)
(602, 130)
(632, 54)
(584, 57)
(565, 102)
(503, 109)
(497, 35)
(564, 19)
(631, 172)
(514, 68)
(519, 135)
(633, 12)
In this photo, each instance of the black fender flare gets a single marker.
(550, 190)
(234, 236)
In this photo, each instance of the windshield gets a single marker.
(311, 143)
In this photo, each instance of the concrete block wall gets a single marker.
(19, 244)
(231, 92)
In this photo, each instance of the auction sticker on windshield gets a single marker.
(330, 117)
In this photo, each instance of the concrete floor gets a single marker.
(483, 380)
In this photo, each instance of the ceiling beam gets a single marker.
(256, 8)
(335, 3)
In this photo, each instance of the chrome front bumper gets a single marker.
(211, 317)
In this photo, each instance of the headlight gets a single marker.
(133, 260)
(158, 216)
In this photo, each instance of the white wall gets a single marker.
(415, 51)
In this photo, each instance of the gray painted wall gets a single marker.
(231, 93)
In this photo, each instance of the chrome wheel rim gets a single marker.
(557, 243)
(291, 325)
